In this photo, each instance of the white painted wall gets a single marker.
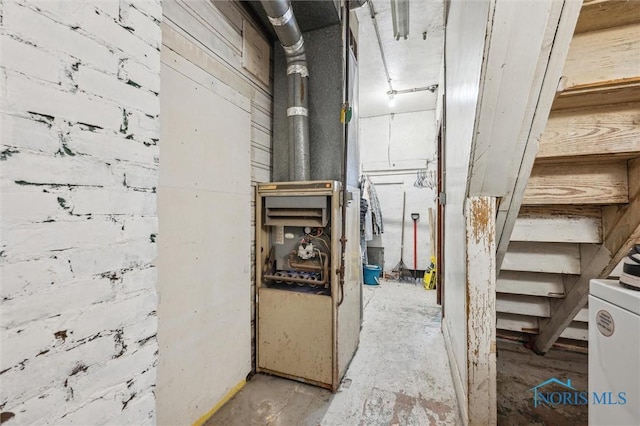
(80, 83)
(204, 253)
(465, 44)
(418, 201)
(216, 125)
(392, 148)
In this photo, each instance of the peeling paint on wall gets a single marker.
(481, 219)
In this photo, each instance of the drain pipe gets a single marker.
(284, 23)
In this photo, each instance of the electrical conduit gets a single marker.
(345, 147)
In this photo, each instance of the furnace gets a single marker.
(308, 318)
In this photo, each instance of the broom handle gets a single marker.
(404, 204)
(415, 244)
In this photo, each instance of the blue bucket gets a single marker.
(372, 274)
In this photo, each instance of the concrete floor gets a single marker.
(519, 369)
(400, 374)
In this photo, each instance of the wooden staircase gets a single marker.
(581, 208)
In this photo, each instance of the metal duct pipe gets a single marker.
(284, 23)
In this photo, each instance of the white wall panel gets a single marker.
(418, 201)
(397, 141)
(465, 38)
(392, 149)
(204, 253)
(216, 145)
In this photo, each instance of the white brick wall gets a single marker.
(79, 84)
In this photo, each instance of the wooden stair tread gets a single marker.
(604, 182)
(598, 14)
(560, 258)
(553, 224)
(531, 325)
(531, 283)
(601, 93)
(608, 130)
(562, 210)
(591, 137)
(607, 55)
(523, 305)
(519, 323)
(573, 159)
(583, 315)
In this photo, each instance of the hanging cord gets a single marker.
(389, 141)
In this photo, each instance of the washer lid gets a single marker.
(612, 292)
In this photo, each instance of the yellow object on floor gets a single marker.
(429, 278)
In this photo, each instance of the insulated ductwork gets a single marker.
(284, 23)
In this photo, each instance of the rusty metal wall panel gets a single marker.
(295, 334)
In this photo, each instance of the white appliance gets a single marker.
(614, 354)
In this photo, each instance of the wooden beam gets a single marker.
(557, 224)
(480, 213)
(606, 130)
(531, 283)
(620, 221)
(603, 182)
(601, 94)
(603, 56)
(600, 14)
(513, 75)
(622, 231)
(576, 298)
(560, 258)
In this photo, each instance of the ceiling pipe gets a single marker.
(372, 13)
(284, 23)
(431, 89)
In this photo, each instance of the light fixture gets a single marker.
(391, 95)
(400, 16)
(432, 89)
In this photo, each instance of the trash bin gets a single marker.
(372, 274)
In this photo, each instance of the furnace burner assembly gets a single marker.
(307, 264)
(300, 250)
